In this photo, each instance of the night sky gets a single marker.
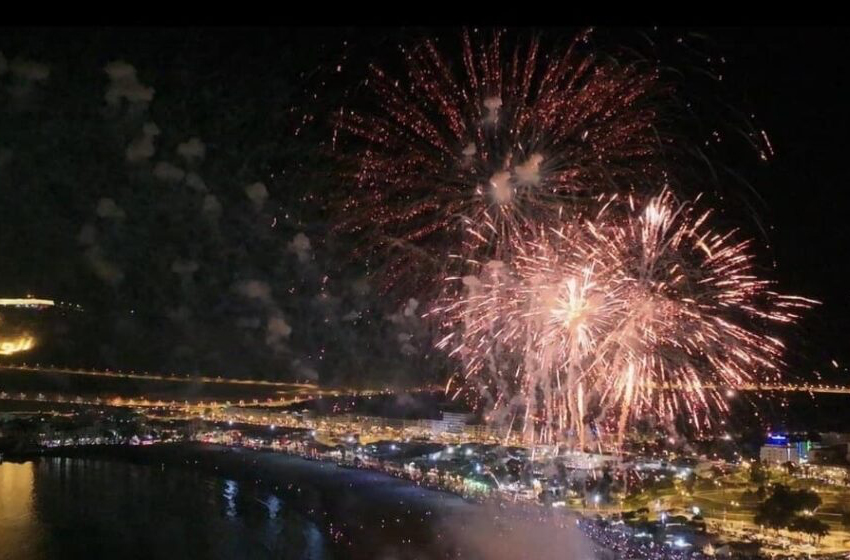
(216, 274)
(796, 82)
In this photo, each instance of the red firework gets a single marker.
(502, 140)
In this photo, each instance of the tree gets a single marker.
(781, 509)
(602, 487)
(706, 484)
(563, 475)
(812, 526)
(690, 482)
(758, 474)
(655, 487)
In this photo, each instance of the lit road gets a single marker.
(295, 391)
(759, 388)
(157, 376)
(316, 391)
(284, 393)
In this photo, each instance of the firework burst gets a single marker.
(644, 312)
(465, 156)
(576, 302)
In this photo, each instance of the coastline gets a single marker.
(364, 513)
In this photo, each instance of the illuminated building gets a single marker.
(452, 422)
(780, 449)
(13, 345)
(27, 322)
(26, 302)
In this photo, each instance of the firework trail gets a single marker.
(464, 156)
(603, 321)
(574, 300)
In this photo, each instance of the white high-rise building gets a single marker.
(779, 453)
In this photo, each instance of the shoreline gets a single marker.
(364, 513)
(347, 505)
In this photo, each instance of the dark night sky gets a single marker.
(796, 81)
(233, 89)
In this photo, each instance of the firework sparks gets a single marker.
(467, 156)
(645, 312)
(575, 301)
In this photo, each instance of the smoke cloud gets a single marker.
(168, 172)
(300, 245)
(124, 84)
(257, 193)
(142, 147)
(107, 208)
(192, 150)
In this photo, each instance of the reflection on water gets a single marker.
(231, 490)
(19, 532)
(77, 508)
(273, 504)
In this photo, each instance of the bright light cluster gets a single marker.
(10, 346)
